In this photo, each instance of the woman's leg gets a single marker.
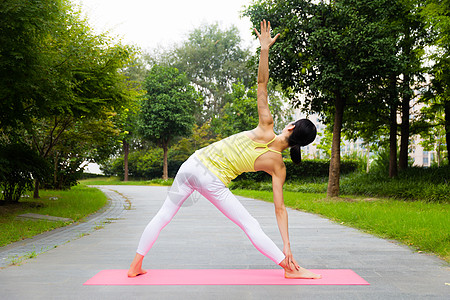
(230, 206)
(178, 193)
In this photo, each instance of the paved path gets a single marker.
(201, 237)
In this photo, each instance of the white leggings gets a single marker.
(193, 175)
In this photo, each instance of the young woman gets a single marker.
(209, 170)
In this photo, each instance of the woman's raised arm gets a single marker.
(266, 41)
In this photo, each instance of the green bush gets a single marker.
(307, 169)
(429, 184)
(142, 164)
(19, 167)
(415, 183)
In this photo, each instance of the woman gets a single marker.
(210, 169)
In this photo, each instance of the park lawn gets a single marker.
(76, 204)
(116, 181)
(425, 226)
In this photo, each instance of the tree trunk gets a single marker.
(335, 162)
(393, 171)
(404, 134)
(126, 150)
(55, 170)
(165, 167)
(406, 97)
(368, 160)
(36, 189)
(447, 126)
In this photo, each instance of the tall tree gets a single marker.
(24, 30)
(240, 113)
(213, 59)
(168, 107)
(331, 52)
(74, 74)
(410, 53)
(437, 16)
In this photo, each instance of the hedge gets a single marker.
(318, 168)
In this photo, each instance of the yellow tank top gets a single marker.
(232, 156)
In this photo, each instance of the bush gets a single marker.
(142, 164)
(19, 166)
(306, 170)
(429, 184)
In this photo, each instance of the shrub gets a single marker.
(19, 166)
(307, 169)
(429, 184)
(142, 164)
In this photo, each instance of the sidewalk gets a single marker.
(201, 237)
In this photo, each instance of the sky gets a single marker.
(150, 24)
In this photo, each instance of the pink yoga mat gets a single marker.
(224, 277)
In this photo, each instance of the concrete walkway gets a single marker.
(201, 237)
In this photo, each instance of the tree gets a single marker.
(167, 108)
(74, 75)
(19, 166)
(240, 113)
(25, 27)
(213, 60)
(128, 117)
(410, 53)
(436, 14)
(332, 53)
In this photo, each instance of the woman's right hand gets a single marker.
(290, 259)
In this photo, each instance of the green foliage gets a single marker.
(415, 183)
(326, 138)
(25, 26)
(19, 166)
(420, 224)
(62, 83)
(200, 137)
(327, 50)
(334, 54)
(214, 60)
(240, 113)
(142, 164)
(307, 169)
(168, 107)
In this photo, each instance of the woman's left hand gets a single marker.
(265, 39)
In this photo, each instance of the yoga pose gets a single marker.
(210, 169)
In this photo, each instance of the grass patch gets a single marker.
(415, 183)
(75, 204)
(422, 225)
(117, 181)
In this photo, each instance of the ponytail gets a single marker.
(296, 154)
(303, 134)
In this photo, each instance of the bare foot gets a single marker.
(134, 273)
(302, 273)
(136, 266)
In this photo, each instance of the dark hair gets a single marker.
(303, 134)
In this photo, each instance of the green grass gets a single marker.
(75, 204)
(117, 181)
(415, 183)
(425, 226)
